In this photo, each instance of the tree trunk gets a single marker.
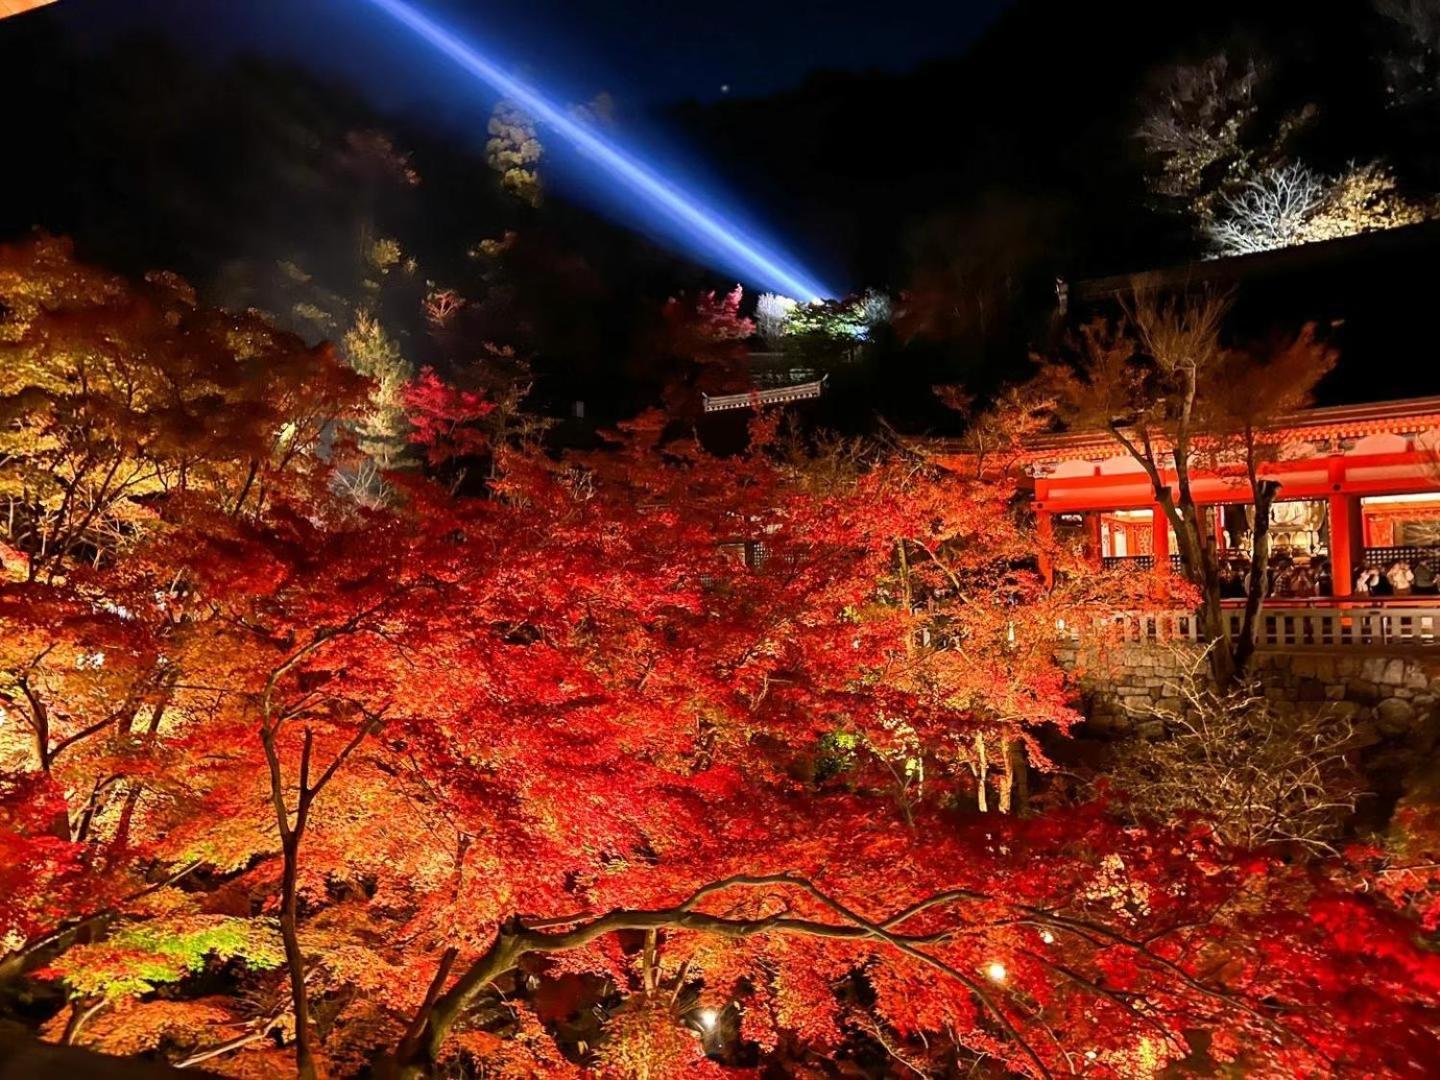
(1265, 492)
(290, 837)
(982, 770)
(1201, 563)
(295, 959)
(134, 788)
(906, 597)
(1014, 787)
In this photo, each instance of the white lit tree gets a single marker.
(772, 315)
(1292, 204)
(1271, 210)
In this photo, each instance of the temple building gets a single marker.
(1355, 530)
(1358, 512)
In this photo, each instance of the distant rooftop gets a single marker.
(1335, 429)
(1407, 417)
(1238, 270)
(1373, 296)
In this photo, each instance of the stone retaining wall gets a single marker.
(1392, 694)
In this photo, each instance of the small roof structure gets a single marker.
(753, 399)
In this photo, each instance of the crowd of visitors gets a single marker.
(1400, 578)
(1299, 575)
(1288, 575)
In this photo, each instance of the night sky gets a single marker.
(644, 52)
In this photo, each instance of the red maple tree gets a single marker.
(637, 762)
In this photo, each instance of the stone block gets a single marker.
(1394, 716)
(1334, 691)
(1372, 669)
(1110, 725)
(1394, 674)
(1362, 691)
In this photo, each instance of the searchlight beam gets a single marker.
(686, 219)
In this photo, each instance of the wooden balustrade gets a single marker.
(1333, 626)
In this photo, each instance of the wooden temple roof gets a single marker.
(1335, 423)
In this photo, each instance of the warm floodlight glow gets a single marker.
(1047, 937)
(995, 972)
(706, 1018)
(683, 218)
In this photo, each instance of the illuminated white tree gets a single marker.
(1271, 210)
(772, 315)
(877, 307)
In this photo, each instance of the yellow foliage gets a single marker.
(1364, 199)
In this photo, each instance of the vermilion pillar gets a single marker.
(1045, 527)
(1160, 539)
(1345, 542)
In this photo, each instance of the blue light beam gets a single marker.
(738, 252)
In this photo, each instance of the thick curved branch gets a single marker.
(515, 940)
